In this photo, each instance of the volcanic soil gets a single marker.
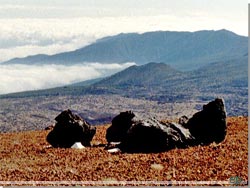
(26, 156)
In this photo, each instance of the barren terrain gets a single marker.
(36, 113)
(26, 156)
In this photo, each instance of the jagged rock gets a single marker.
(209, 125)
(137, 134)
(70, 128)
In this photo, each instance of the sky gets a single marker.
(29, 27)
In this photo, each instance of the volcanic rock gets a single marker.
(120, 125)
(209, 125)
(140, 134)
(70, 128)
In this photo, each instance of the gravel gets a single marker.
(27, 159)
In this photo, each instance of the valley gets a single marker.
(22, 114)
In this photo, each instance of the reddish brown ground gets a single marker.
(25, 157)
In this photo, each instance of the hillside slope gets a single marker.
(151, 74)
(159, 82)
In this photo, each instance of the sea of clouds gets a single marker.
(16, 78)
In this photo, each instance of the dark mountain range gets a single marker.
(181, 50)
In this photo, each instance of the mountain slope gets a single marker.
(222, 73)
(162, 83)
(232, 73)
(151, 74)
(182, 50)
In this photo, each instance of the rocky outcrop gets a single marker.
(70, 128)
(209, 125)
(140, 134)
(120, 126)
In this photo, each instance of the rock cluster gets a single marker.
(140, 134)
(130, 132)
(137, 134)
(70, 128)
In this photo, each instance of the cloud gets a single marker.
(16, 78)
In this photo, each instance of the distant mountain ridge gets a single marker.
(181, 50)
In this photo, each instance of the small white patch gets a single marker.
(81, 123)
(48, 146)
(114, 143)
(77, 145)
(114, 150)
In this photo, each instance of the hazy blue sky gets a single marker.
(65, 8)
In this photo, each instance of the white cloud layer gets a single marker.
(15, 78)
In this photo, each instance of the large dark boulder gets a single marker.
(120, 126)
(209, 125)
(70, 128)
(140, 134)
